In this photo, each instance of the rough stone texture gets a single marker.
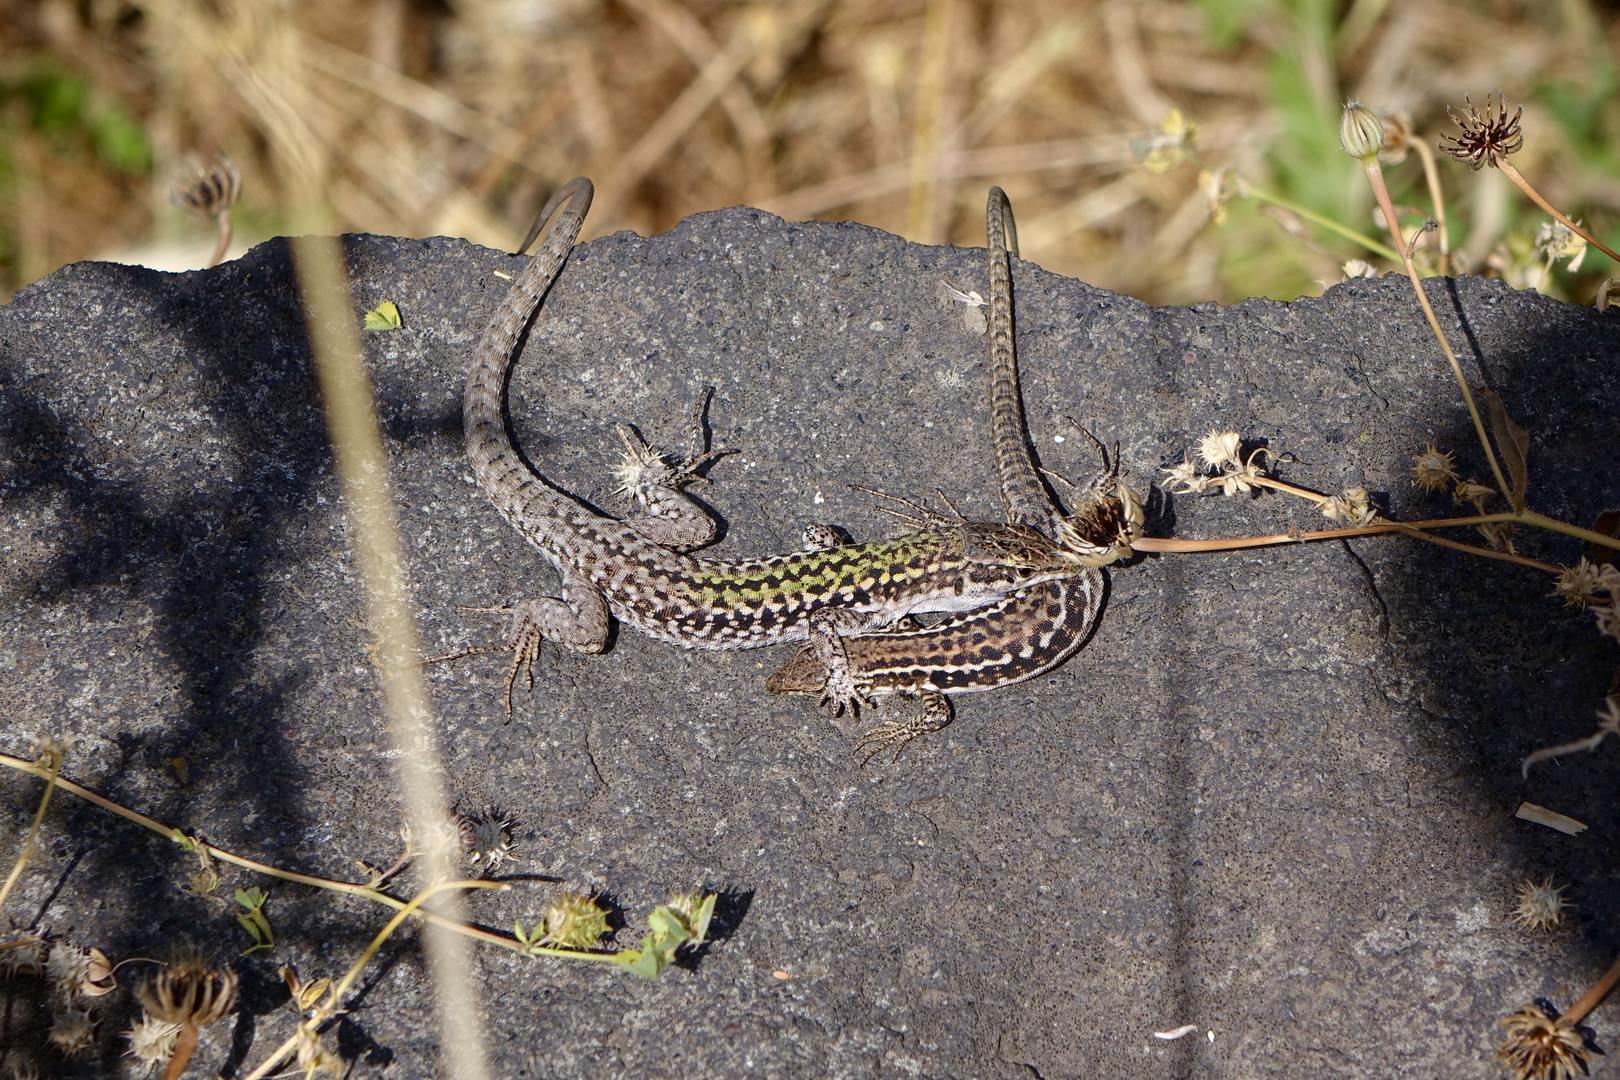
(1273, 797)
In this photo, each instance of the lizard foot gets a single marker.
(840, 693)
(523, 643)
(897, 733)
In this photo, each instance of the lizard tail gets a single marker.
(499, 470)
(1026, 498)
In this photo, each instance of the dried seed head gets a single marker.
(1555, 240)
(575, 922)
(1184, 474)
(1608, 620)
(188, 991)
(1540, 904)
(151, 1042)
(1220, 448)
(209, 189)
(1485, 137)
(1580, 584)
(1539, 1048)
(1468, 491)
(1432, 470)
(24, 959)
(1351, 505)
(66, 970)
(487, 838)
(1361, 133)
(1397, 138)
(72, 1032)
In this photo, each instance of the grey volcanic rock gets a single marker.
(1273, 797)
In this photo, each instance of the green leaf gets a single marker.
(385, 316)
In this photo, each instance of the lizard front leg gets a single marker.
(827, 628)
(578, 621)
(646, 475)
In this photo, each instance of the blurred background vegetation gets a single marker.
(1130, 134)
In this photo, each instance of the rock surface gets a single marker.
(1273, 797)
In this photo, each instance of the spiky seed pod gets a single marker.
(1433, 470)
(1361, 133)
(72, 1032)
(66, 969)
(1540, 904)
(575, 922)
(151, 1043)
(1484, 138)
(487, 838)
(188, 991)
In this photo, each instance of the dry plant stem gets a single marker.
(1513, 174)
(19, 943)
(1375, 178)
(1431, 176)
(1317, 219)
(1589, 1000)
(350, 887)
(33, 833)
(1414, 528)
(332, 320)
(335, 994)
(224, 223)
(185, 1044)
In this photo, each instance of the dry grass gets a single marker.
(424, 118)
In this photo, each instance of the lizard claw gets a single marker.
(523, 644)
(841, 693)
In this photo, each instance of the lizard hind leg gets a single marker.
(523, 642)
(578, 622)
(936, 715)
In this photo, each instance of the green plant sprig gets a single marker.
(660, 944)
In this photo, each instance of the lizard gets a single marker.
(1022, 636)
(1028, 632)
(641, 569)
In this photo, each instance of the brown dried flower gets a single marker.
(1540, 904)
(1468, 491)
(1398, 139)
(209, 189)
(1539, 1048)
(1486, 136)
(1433, 470)
(188, 991)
